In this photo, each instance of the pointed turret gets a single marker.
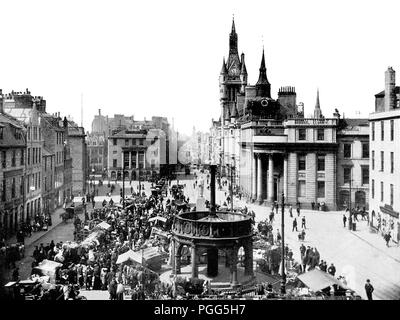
(243, 69)
(224, 70)
(317, 109)
(263, 87)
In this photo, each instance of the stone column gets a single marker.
(311, 177)
(177, 262)
(195, 270)
(137, 159)
(270, 179)
(248, 263)
(234, 262)
(144, 159)
(254, 178)
(212, 262)
(259, 178)
(292, 178)
(130, 159)
(285, 176)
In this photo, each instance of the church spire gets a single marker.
(233, 39)
(317, 109)
(263, 86)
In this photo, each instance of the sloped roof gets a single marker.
(356, 122)
(9, 138)
(382, 93)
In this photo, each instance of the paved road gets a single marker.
(357, 255)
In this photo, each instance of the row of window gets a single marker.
(303, 134)
(382, 124)
(302, 189)
(382, 191)
(59, 157)
(348, 154)
(60, 137)
(320, 162)
(13, 158)
(364, 175)
(34, 156)
(135, 142)
(33, 181)
(34, 133)
(13, 189)
(382, 169)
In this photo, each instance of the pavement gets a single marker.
(357, 255)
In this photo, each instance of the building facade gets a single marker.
(272, 149)
(353, 164)
(384, 195)
(138, 153)
(76, 140)
(12, 173)
(27, 109)
(97, 153)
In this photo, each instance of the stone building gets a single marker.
(12, 172)
(48, 169)
(384, 196)
(271, 148)
(353, 163)
(27, 109)
(97, 153)
(137, 152)
(55, 136)
(76, 140)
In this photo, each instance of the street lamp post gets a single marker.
(231, 189)
(350, 214)
(123, 181)
(283, 283)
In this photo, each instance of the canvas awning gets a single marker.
(160, 218)
(317, 280)
(48, 265)
(139, 256)
(103, 225)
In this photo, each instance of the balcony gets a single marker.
(311, 122)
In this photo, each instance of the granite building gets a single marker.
(269, 146)
(384, 197)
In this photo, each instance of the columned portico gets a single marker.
(270, 178)
(259, 178)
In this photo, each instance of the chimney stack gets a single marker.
(390, 94)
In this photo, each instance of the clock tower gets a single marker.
(232, 77)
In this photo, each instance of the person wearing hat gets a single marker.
(369, 289)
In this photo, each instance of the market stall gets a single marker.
(48, 268)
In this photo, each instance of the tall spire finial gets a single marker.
(233, 23)
(262, 66)
(263, 85)
(317, 110)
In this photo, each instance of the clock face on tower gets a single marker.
(235, 71)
